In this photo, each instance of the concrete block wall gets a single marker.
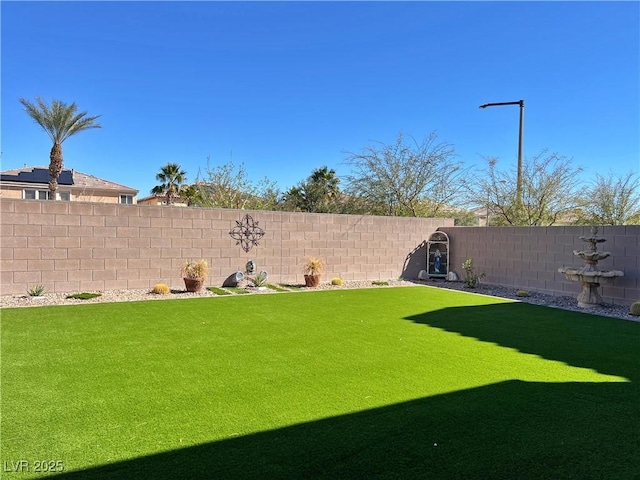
(74, 246)
(529, 257)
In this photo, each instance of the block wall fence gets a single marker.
(529, 257)
(72, 246)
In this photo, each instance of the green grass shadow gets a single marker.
(508, 430)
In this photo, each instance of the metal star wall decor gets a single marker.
(247, 233)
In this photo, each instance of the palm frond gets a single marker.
(59, 120)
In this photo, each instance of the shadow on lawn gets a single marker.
(508, 430)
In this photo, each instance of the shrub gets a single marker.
(635, 309)
(380, 283)
(471, 279)
(161, 289)
(522, 293)
(36, 291)
(338, 282)
(84, 296)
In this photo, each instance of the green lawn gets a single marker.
(406, 383)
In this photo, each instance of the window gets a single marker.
(126, 199)
(29, 194)
(35, 194)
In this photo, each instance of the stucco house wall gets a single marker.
(78, 186)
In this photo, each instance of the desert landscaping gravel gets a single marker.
(563, 302)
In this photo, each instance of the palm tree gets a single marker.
(60, 121)
(327, 182)
(172, 178)
(191, 194)
(317, 194)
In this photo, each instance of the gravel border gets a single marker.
(563, 302)
(536, 298)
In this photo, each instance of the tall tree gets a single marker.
(190, 194)
(550, 185)
(228, 186)
(60, 121)
(173, 179)
(408, 177)
(318, 193)
(612, 200)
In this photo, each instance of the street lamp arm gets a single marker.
(519, 102)
(520, 136)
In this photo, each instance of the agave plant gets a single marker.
(36, 291)
(261, 279)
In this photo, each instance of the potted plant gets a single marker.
(194, 274)
(313, 268)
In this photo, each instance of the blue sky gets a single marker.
(286, 87)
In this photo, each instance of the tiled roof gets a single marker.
(40, 175)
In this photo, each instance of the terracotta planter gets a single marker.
(312, 280)
(193, 284)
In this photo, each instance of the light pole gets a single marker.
(520, 131)
(488, 200)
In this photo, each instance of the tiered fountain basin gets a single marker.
(589, 276)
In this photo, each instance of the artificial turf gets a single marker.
(406, 383)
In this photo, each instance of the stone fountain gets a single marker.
(589, 275)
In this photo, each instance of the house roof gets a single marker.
(72, 178)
